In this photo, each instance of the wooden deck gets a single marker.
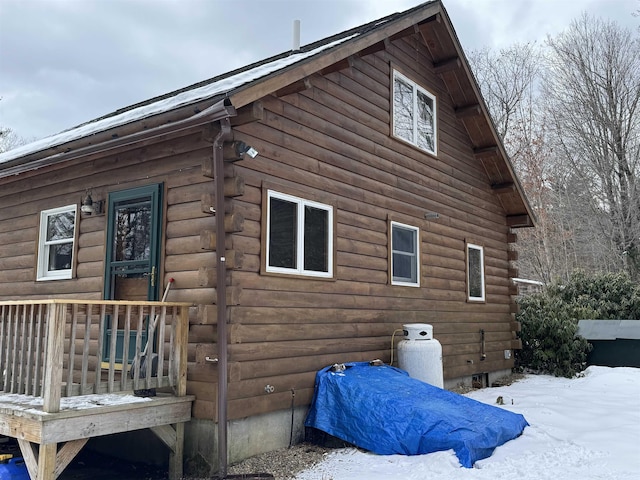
(63, 380)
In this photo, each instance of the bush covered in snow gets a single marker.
(550, 320)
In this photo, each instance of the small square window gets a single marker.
(299, 236)
(414, 114)
(475, 273)
(405, 255)
(56, 243)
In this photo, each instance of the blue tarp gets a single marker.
(382, 409)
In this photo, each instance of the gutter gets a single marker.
(211, 114)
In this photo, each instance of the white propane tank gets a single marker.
(420, 354)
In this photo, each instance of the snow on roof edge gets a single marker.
(609, 329)
(525, 280)
(182, 98)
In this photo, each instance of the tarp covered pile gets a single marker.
(382, 409)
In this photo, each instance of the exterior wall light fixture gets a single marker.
(89, 206)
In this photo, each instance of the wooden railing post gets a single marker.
(54, 358)
(182, 335)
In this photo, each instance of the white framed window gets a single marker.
(299, 236)
(56, 243)
(475, 273)
(414, 114)
(405, 255)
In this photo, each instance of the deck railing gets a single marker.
(56, 348)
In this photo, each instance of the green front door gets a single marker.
(132, 263)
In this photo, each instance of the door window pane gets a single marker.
(132, 233)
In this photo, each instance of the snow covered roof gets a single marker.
(216, 87)
(175, 100)
(527, 281)
(609, 329)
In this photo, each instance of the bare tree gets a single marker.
(510, 83)
(9, 139)
(508, 80)
(592, 88)
(570, 126)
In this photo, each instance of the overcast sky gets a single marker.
(64, 62)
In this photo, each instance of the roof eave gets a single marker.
(222, 108)
(527, 217)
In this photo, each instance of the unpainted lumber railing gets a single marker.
(56, 348)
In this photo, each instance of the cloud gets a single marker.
(64, 62)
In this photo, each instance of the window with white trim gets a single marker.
(56, 243)
(414, 114)
(475, 273)
(405, 255)
(299, 236)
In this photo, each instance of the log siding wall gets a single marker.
(333, 142)
(330, 143)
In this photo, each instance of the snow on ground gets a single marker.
(29, 404)
(581, 428)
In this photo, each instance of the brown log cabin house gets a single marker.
(380, 195)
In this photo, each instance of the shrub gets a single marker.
(550, 320)
(549, 341)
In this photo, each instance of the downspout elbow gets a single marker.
(224, 135)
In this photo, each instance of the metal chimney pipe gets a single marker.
(296, 35)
